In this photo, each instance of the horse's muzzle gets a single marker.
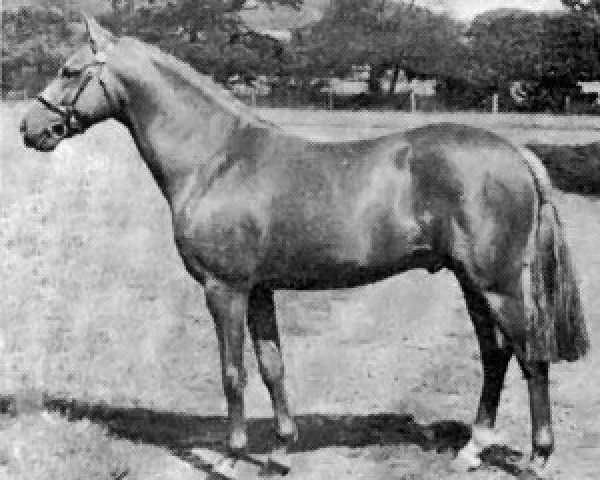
(44, 141)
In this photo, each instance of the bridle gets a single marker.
(73, 119)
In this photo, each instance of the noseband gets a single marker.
(73, 120)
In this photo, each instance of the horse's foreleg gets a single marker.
(228, 309)
(262, 326)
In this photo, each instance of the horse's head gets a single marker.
(83, 93)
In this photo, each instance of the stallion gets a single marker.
(255, 209)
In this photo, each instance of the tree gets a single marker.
(397, 36)
(35, 42)
(210, 36)
(591, 7)
(551, 53)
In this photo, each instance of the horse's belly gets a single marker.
(346, 275)
(320, 233)
(341, 252)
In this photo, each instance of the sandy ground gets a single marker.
(109, 362)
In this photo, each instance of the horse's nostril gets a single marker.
(58, 129)
(23, 126)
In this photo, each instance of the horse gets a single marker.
(255, 209)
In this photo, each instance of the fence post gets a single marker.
(413, 101)
(330, 100)
(495, 103)
(567, 104)
(253, 97)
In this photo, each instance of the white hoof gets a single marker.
(287, 431)
(224, 470)
(466, 460)
(484, 437)
(279, 462)
(536, 468)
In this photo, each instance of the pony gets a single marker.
(255, 209)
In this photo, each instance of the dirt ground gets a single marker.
(109, 363)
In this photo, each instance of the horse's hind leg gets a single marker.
(542, 438)
(262, 326)
(508, 309)
(495, 357)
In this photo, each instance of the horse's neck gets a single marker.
(178, 128)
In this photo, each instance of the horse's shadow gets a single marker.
(182, 433)
(180, 430)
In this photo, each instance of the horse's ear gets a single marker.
(100, 39)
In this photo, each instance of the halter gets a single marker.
(73, 120)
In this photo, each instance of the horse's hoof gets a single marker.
(532, 474)
(466, 461)
(279, 462)
(224, 470)
(535, 469)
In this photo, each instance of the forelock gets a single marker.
(82, 56)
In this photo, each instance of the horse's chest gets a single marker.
(219, 235)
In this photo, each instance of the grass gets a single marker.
(87, 251)
(101, 323)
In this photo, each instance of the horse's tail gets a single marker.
(556, 329)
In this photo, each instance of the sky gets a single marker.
(467, 9)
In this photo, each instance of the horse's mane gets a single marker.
(201, 83)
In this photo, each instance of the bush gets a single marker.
(573, 169)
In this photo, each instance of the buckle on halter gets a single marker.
(73, 121)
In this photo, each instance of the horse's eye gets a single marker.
(58, 129)
(66, 72)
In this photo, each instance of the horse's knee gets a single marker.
(271, 364)
(234, 380)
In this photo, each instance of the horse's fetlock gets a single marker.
(238, 440)
(482, 437)
(287, 431)
(543, 442)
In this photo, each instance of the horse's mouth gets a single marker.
(43, 142)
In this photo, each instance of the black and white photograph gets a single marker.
(300, 239)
